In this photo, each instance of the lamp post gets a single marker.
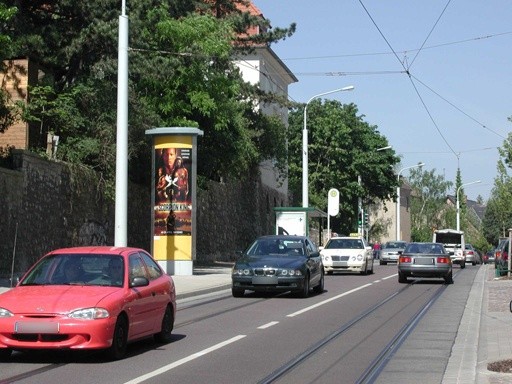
(458, 204)
(398, 199)
(305, 198)
(121, 206)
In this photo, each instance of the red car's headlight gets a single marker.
(5, 313)
(89, 314)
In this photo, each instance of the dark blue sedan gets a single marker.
(279, 263)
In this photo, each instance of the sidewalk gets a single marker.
(204, 280)
(495, 337)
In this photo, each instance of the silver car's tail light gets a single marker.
(443, 260)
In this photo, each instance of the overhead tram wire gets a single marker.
(457, 108)
(330, 57)
(431, 30)
(410, 78)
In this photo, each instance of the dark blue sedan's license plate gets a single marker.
(264, 280)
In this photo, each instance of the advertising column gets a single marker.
(174, 198)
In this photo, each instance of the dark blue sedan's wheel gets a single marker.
(119, 339)
(165, 335)
(237, 292)
(320, 287)
(305, 287)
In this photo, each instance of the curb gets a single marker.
(201, 292)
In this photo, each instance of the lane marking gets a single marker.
(389, 277)
(328, 300)
(184, 360)
(265, 326)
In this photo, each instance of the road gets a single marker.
(351, 333)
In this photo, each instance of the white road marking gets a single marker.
(389, 277)
(184, 360)
(264, 326)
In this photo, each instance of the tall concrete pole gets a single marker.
(121, 206)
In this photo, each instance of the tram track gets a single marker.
(378, 363)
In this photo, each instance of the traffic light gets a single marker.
(366, 221)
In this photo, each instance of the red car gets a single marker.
(88, 298)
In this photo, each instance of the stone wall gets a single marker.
(46, 205)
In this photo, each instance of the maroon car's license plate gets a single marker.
(36, 327)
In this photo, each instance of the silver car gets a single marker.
(425, 260)
(390, 251)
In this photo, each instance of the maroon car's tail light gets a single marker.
(404, 259)
(443, 260)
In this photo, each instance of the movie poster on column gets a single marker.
(173, 203)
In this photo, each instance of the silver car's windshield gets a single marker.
(425, 248)
(394, 245)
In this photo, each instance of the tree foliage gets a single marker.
(428, 203)
(180, 74)
(342, 146)
(8, 112)
(498, 215)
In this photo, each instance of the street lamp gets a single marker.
(121, 206)
(305, 199)
(398, 199)
(458, 204)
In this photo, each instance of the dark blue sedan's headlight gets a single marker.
(290, 272)
(242, 272)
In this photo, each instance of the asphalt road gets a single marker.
(328, 338)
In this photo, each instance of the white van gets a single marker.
(454, 243)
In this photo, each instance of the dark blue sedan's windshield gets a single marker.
(276, 247)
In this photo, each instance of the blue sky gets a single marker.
(450, 110)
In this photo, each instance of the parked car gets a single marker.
(489, 257)
(279, 263)
(99, 298)
(501, 256)
(347, 254)
(390, 251)
(425, 260)
(471, 255)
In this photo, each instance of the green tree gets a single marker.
(428, 203)
(342, 147)
(180, 73)
(498, 215)
(8, 112)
